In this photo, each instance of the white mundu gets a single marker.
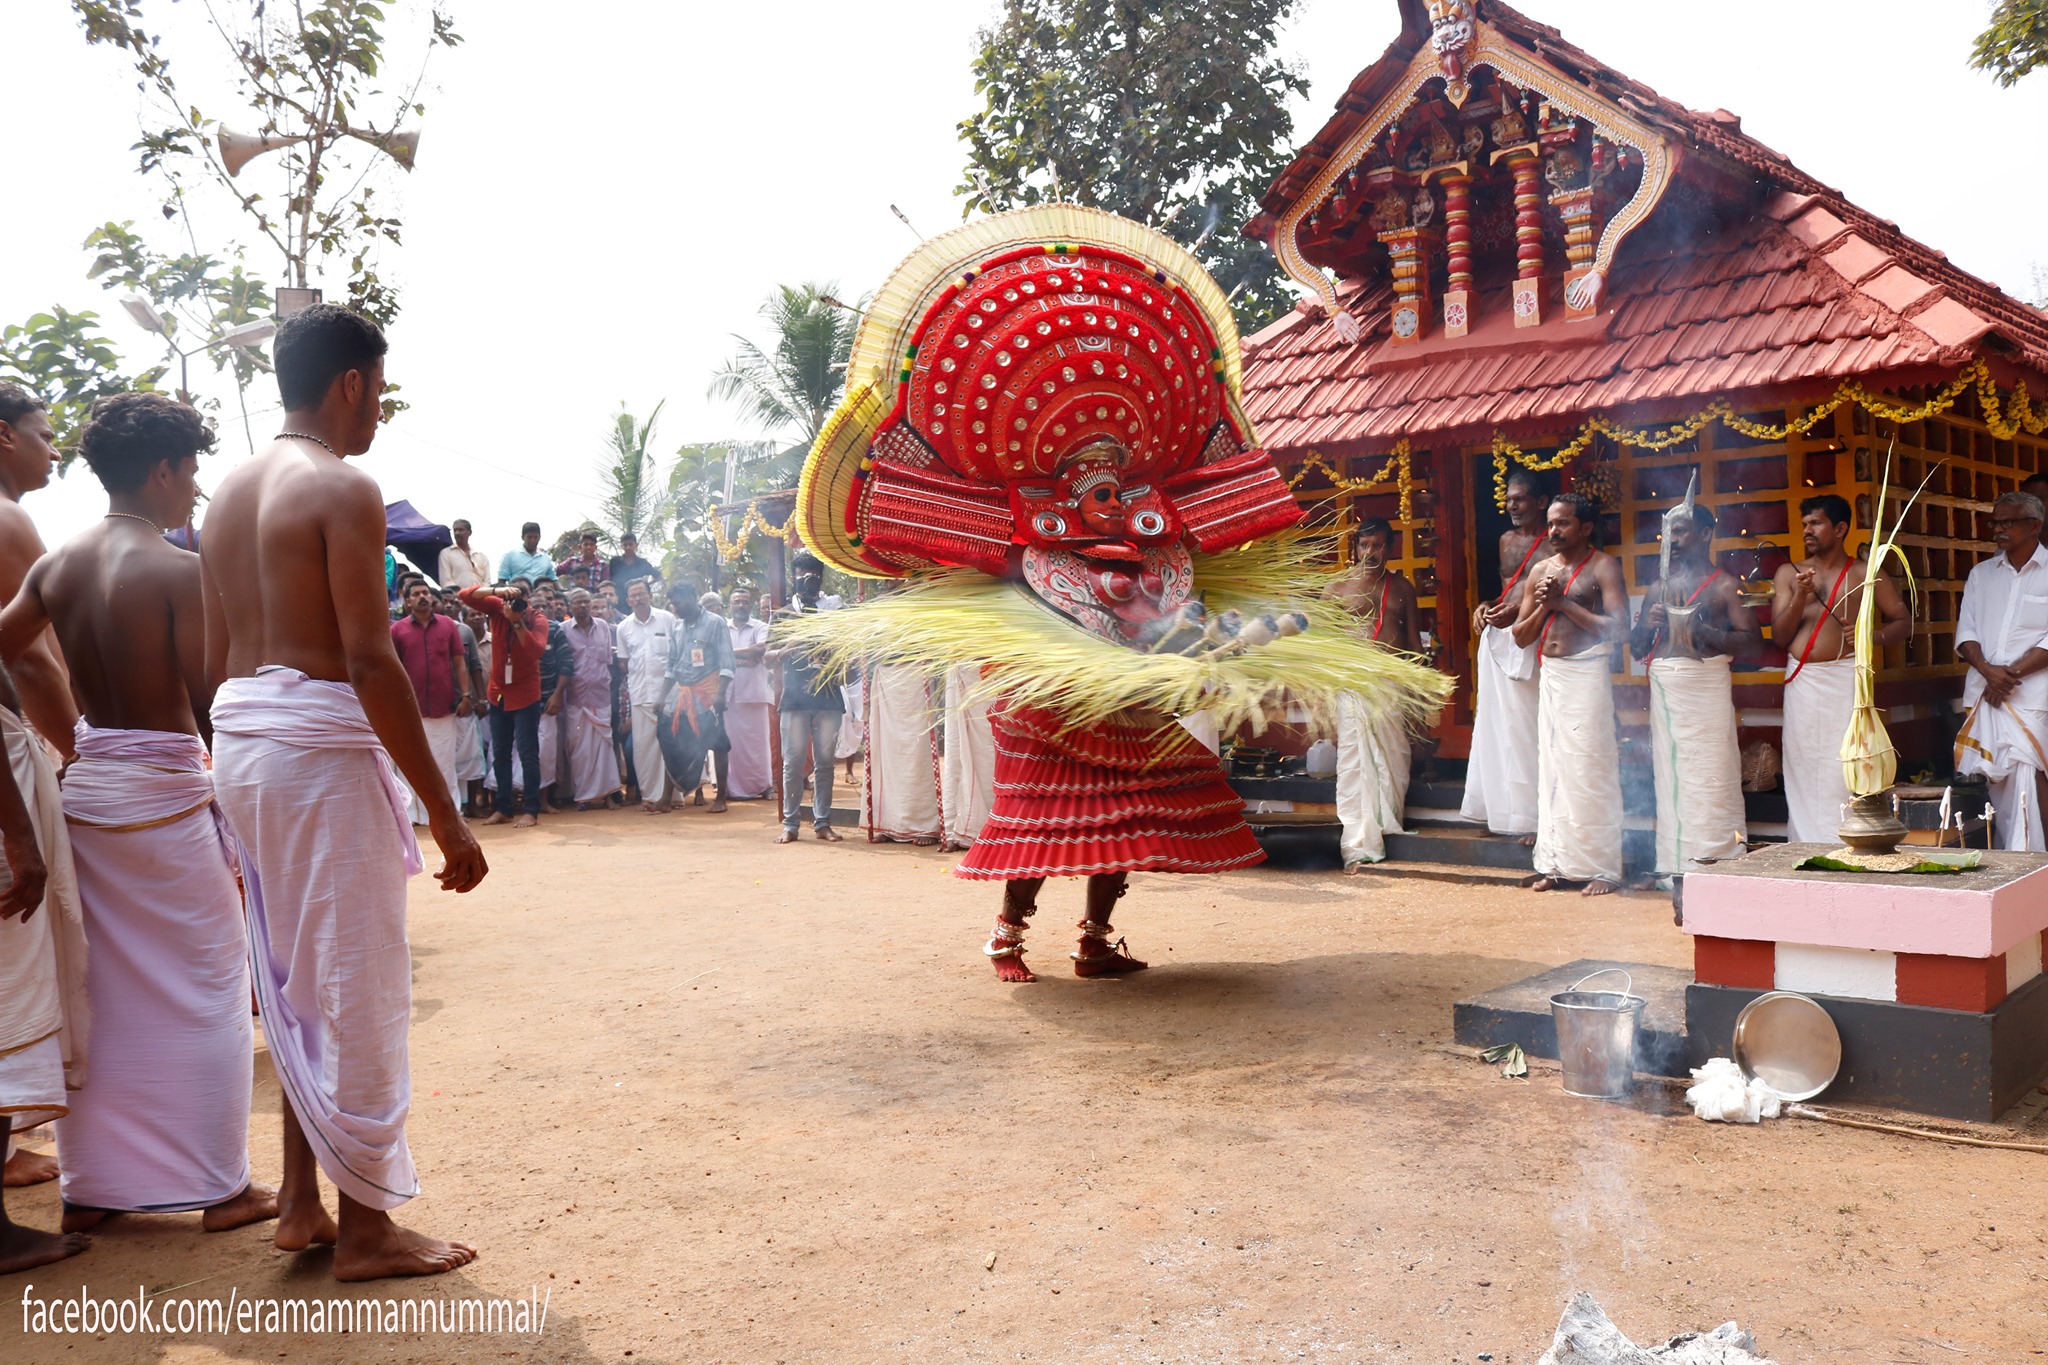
(164, 1125)
(1819, 698)
(593, 763)
(447, 737)
(327, 850)
(1500, 781)
(1374, 755)
(45, 1018)
(1697, 763)
(969, 789)
(1578, 798)
(900, 780)
(2005, 610)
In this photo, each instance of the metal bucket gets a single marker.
(1596, 1037)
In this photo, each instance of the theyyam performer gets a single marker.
(1042, 432)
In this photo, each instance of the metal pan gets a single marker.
(1788, 1042)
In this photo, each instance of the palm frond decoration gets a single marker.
(1036, 656)
(632, 489)
(1870, 763)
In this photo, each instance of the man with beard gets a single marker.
(1374, 756)
(1813, 605)
(1500, 781)
(1573, 609)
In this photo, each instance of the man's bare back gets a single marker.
(126, 608)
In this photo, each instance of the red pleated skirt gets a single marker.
(1135, 793)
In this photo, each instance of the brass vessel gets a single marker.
(1870, 826)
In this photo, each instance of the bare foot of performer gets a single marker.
(367, 1244)
(26, 1248)
(1098, 955)
(1006, 947)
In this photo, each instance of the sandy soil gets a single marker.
(769, 1105)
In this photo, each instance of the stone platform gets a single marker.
(1519, 1012)
(1934, 981)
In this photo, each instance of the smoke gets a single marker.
(1600, 1221)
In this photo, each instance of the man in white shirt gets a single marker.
(750, 706)
(644, 640)
(460, 566)
(2002, 634)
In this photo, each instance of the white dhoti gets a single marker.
(326, 852)
(900, 779)
(749, 767)
(1500, 781)
(552, 757)
(967, 790)
(1578, 784)
(446, 737)
(1697, 762)
(593, 762)
(471, 765)
(1374, 755)
(1818, 701)
(45, 1014)
(648, 764)
(164, 1125)
(2008, 746)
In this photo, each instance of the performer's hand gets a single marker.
(1802, 577)
(1655, 617)
(462, 860)
(1501, 614)
(25, 863)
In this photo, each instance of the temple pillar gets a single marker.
(1582, 285)
(1410, 250)
(1458, 294)
(1526, 165)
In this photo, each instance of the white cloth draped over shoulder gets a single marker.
(1697, 763)
(1500, 781)
(900, 778)
(1578, 805)
(164, 1125)
(1819, 700)
(2005, 611)
(1374, 757)
(327, 849)
(45, 1014)
(968, 792)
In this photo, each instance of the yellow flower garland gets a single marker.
(731, 548)
(2006, 419)
(1399, 470)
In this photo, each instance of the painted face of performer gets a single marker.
(1101, 506)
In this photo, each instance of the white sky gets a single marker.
(606, 192)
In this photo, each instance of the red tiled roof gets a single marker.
(1805, 291)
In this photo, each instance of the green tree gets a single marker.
(633, 501)
(61, 357)
(1170, 112)
(2015, 43)
(696, 486)
(791, 385)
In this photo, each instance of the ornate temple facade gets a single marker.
(1516, 255)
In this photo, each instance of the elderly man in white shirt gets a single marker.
(2002, 634)
(644, 638)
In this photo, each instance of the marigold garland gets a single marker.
(731, 548)
(2006, 419)
(1399, 469)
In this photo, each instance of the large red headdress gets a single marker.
(1012, 366)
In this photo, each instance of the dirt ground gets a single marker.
(727, 1101)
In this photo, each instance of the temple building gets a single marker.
(1517, 255)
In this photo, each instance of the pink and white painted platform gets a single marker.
(1935, 982)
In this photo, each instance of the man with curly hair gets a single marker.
(162, 1124)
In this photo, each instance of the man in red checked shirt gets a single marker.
(519, 633)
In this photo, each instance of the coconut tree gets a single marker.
(791, 384)
(634, 497)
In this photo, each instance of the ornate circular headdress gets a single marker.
(1009, 360)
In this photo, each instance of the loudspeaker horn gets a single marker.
(400, 144)
(237, 149)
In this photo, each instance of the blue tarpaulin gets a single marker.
(418, 539)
